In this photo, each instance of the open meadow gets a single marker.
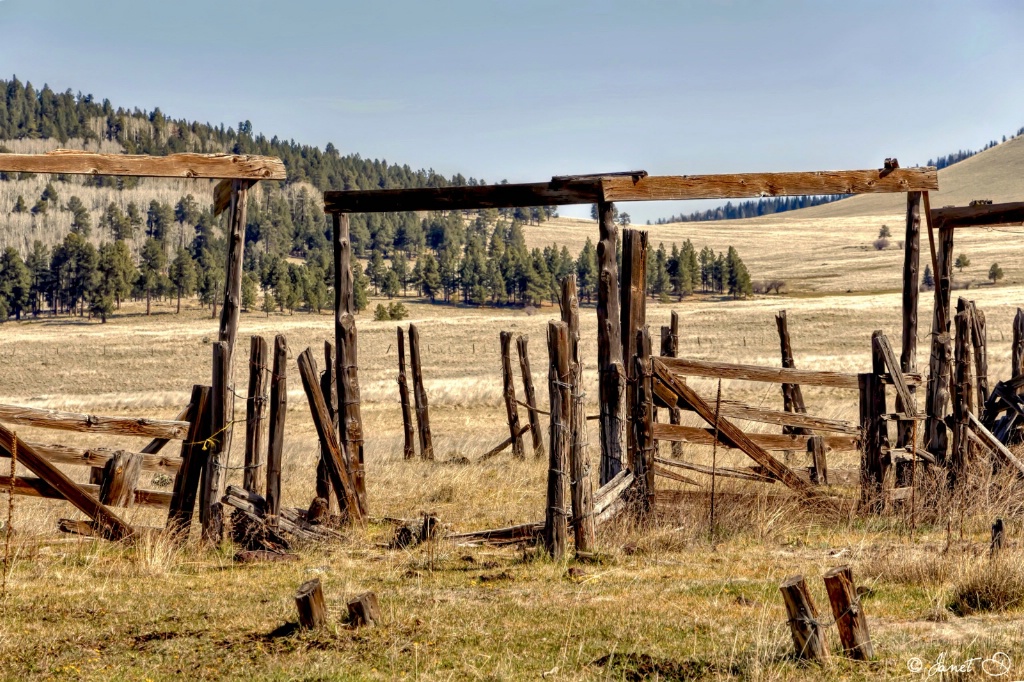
(675, 601)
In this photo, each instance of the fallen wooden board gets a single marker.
(697, 435)
(730, 431)
(893, 365)
(214, 166)
(773, 375)
(91, 423)
(994, 443)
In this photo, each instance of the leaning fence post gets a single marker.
(409, 449)
(819, 465)
(530, 395)
(278, 408)
(803, 619)
(509, 393)
(420, 395)
(851, 621)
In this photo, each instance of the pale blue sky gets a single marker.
(525, 90)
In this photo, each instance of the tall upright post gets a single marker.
(937, 439)
(232, 307)
(346, 371)
(509, 393)
(609, 344)
(792, 394)
(420, 395)
(278, 409)
(633, 308)
(215, 474)
(979, 340)
(409, 448)
(581, 487)
(672, 351)
(911, 291)
(329, 387)
(961, 391)
(1017, 351)
(641, 454)
(255, 411)
(560, 402)
(530, 395)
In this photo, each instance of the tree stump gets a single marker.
(309, 600)
(364, 610)
(808, 639)
(851, 621)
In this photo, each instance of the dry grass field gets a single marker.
(666, 603)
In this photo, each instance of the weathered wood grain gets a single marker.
(911, 294)
(775, 375)
(893, 365)
(560, 401)
(980, 215)
(120, 479)
(420, 396)
(611, 372)
(193, 461)
(740, 185)
(696, 435)
(255, 413)
(530, 394)
(213, 166)
(98, 457)
(808, 635)
(91, 423)
(278, 410)
(509, 394)
(409, 449)
(580, 483)
(311, 605)
(33, 486)
(851, 621)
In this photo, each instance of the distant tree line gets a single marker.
(753, 209)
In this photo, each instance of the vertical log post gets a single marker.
(346, 369)
(509, 393)
(808, 639)
(329, 387)
(255, 412)
(215, 474)
(581, 487)
(558, 439)
(961, 393)
(979, 341)
(937, 438)
(193, 460)
(611, 372)
(850, 618)
(633, 309)
(642, 452)
(875, 456)
(310, 603)
(1017, 351)
(530, 395)
(911, 292)
(819, 465)
(278, 409)
(120, 479)
(409, 448)
(420, 395)
(997, 538)
(673, 352)
(792, 394)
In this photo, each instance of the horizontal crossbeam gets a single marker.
(979, 215)
(212, 166)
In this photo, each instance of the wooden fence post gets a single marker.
(558, 439)
(120, 479)
(979, 341)
(329, 387)
(255, 413)
(611, 372)
(420, 395)
(850, 618)
(792, 394)
(671, 350)
(633, 309)
(996, 544)
(808, 640)
(581, 487)
(642, 453)
(193, 461)
(819, 465)
(911, 292)
(409, 449)
(876, 457)
(310, 603)
(215, 474)
(530, 395)
(278, 409)
(1017, 351)
(961, 393)
(937, 438)
(509, 393)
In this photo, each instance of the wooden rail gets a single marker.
(90, 423)
(98, 457)
(33, 486)
(633, 186)
(212, 166)
(774, 375)
(769, 441)
(980, 215)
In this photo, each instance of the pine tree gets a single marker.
(183, 276)
(995, 273)
(586, 271)
(962, 261)
(248, 290)
(928, 279)
(151, 269)
(19, 205)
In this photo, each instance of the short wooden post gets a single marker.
(215, 475)
(611, 372)
(420, 395)
(819, 465)
(936, 436)
(997, 538)
(632, 308)
(792, 394)
(329, 387)
(509, 393)
(979, 342)
(409, 449)
(364, 610)
(961, 393)
(850, 617)
(278, 409)
(558, 441)
(312, 608)
(346, 368)
(911, 293)
(808, 639)
(193, 460)
(671, 349)
(641, 456)
(120, 479)
(255, 412)
(580, 484)
(1017, 350)
(530, 395)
